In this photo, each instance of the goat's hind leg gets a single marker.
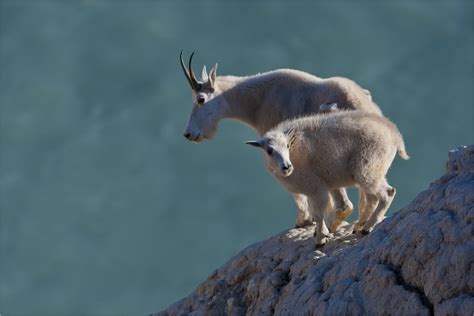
(363, 215)
(385, 194)
(371, 201)
(303, 217)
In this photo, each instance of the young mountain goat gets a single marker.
(319, 153)
(264, 100)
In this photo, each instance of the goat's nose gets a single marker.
(187, 135)
(201, 100)
(286, 167)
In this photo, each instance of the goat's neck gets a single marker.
(245, 97)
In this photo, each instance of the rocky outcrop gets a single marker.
(420, 261)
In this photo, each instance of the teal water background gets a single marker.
(107, 210)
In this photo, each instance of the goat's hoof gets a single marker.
(321, 241)
(319, 246)
(356, 229)
(360, 231)
(335, 226)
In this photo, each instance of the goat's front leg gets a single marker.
(303, 217)
(318, 205)
(343, 208)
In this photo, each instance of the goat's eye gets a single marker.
(270, 151)
(211, 90)
(288, 146)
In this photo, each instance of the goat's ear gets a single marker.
(367, 92)
(204, 75)
(254, 143)
(213, 74)
(290, 132)
(293, 136)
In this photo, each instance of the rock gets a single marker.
(419, 261)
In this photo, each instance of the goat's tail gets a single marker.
(403, 154)
(401, 149)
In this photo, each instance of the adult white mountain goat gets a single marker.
(319, 153)
(264, 100)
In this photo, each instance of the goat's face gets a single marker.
(208, 109)
(277, 153)
(209, 104)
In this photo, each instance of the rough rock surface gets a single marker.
(420, 261)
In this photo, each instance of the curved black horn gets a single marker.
(193, 79)
(186, 73)
(254, 143)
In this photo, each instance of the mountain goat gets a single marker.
(264, 100)
(319, 153)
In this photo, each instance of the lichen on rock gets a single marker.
(419, 261)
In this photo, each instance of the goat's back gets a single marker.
(292, 94)
(300, 87)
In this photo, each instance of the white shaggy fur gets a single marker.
(264, 100)
(319, 153)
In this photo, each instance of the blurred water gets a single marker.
(107, 210)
